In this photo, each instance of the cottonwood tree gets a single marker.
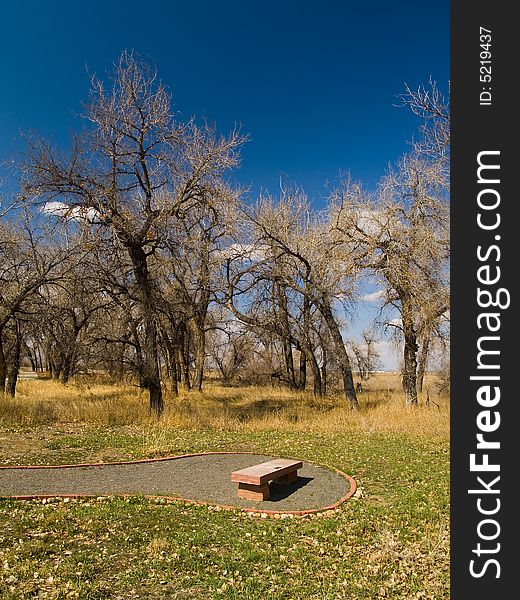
(432, 107)
(403, 232)
(133, 172)
(295, 251)
(69, 307)
(117, 327)
(191, 263)
(31, 256)
(404, 237)
(366, 355)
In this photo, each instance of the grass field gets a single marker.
(390, 541)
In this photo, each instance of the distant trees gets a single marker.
(133, 255)
(31, 257)
(366, 355)
(68, 309)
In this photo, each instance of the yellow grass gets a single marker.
(229, 408)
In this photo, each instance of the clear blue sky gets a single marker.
(314, 83)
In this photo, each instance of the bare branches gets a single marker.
(136, 167)
(155, 265)
(402, 234)
(428, 103)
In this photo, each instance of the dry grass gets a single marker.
(42, 402)
(390, 541)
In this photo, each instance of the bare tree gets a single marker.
(403, 233)
(31, 256)
(366, 355)
(404, 237)
(132, 173)
(191, 270)
(69, 307)
(296, 251)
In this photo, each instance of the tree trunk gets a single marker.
(310, 358)
(200, 355)
(14, 364)
(290, 375)
(341, 356)
(410, 358)
(172, 363)
(183, 364)
(306, 350)
(302, 378)
(3, 366)
(57, 368)
(151, 379)
(281, 300)
(324, 371)
(174, 378)
(67, 366)
(39, 361)
(422, 362)
(31, 355)
(138, 361)
(49, 359)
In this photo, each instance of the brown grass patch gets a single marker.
(252, 408)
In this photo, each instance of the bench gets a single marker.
(253, 482)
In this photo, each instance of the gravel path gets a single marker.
(204, 478)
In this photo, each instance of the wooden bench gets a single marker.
(253, 482)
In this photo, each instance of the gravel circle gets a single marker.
(202, 478)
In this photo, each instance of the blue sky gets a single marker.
(313, 83)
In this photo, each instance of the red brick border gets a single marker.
(255, 509)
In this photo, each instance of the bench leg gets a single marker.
(253, 492)
(289, 478)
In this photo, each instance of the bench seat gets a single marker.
(253, 482)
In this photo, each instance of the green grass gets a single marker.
(392, 541)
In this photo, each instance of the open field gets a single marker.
(47, 402)
(390, 541)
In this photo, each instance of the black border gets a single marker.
(476, 128)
